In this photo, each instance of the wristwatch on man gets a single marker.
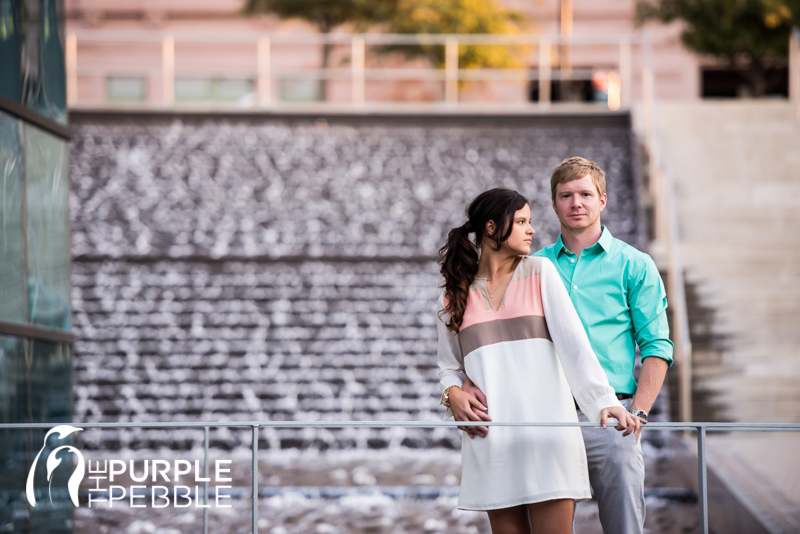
(641, 414)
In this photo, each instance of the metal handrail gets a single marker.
(264, 72)
(701, 428)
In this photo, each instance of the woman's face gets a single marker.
(519, 242)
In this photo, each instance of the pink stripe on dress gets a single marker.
(523, 297)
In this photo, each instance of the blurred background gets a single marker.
(231, 211)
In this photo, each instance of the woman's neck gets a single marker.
(494, 264)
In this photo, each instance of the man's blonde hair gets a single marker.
(575, 168)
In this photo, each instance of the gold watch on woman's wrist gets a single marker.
(446, 396)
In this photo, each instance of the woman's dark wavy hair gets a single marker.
(459, 255)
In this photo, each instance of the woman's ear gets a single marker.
(490, 229)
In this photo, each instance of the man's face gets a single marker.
(578, 204)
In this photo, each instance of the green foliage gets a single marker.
(459, 16)
(748, 35)
(325, 14)
(411, 16)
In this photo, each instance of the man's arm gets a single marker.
(651, 378)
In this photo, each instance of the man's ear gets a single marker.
(603, 200)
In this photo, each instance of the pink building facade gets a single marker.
(156, 53)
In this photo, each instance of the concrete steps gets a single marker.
(735, 167)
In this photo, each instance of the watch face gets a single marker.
(639, 413)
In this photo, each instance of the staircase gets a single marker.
(736, 167)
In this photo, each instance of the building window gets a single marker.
(729, 83)
(126, 88)
(205, 89)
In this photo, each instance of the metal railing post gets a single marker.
(625, 68)
(264, 75)
(168, 70)
(702, 483)
(545, 71)
(71, 60)
(357, 59)
(205, 483)
(451, 70)
(614, 91)
(255, 479)
(794, 71)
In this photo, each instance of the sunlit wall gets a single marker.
(35, 325)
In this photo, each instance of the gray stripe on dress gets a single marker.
(490, 332)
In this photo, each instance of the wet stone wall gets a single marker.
(284, 268)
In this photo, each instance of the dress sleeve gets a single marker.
(448, 353)
(586, 378)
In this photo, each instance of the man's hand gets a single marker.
(627, 421)
(468, 403)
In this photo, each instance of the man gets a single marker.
(620, 298)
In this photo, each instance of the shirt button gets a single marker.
(574, 287)
(572, 260)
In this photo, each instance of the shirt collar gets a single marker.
(604, 242)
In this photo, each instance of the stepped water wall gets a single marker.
(284, 267)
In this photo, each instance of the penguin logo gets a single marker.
(53, 462)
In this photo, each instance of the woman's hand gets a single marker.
(466, 407)
(627, 421)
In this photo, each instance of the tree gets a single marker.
(408, 16)
(458, 16)
(749, 36)
(324, 14)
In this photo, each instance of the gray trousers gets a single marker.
(616, 473)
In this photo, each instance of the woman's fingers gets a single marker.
(469, 409)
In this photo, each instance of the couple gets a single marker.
(513, 346)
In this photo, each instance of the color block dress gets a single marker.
(529, 358)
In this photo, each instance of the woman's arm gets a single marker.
(452, 375)
(586, 378)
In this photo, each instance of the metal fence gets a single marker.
(545, 58)
(701, 430)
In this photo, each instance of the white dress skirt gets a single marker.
(529, 357)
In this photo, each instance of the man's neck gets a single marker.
(576, 241)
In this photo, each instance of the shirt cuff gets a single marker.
(608, 400)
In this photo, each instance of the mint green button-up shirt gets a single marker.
(620, 298)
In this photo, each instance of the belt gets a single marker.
(620, 396)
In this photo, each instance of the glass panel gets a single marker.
(208, 89)
(43, 58)
(48, 254)
(10, 50)
(300, 90)
(40, 370)
(12, 239)
(51, 382)
(14, 449)
(126, 89)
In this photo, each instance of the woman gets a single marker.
(506, 322)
